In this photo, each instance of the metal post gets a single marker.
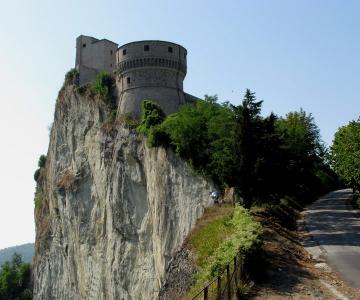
(228, 281)
(218, 288)
(206, 293)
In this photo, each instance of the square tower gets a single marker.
(94, 56)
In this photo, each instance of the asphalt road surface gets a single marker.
(334, 227)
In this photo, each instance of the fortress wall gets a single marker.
(169, 99)
(94, 55)
(86, 74)
(154, 77)
(150, 70)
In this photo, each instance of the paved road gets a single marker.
(335, 230)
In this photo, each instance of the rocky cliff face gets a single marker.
(113, 212)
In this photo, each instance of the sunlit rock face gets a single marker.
(113, 211)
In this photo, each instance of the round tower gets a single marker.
(150, 70)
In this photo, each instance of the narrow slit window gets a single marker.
(146, 48)
(128, 80)
(170, 49)
(84, 45)
(124, 52)
(111, 52)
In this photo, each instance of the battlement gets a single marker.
(152, 54)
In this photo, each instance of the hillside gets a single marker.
(25, 250)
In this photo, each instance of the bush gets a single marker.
(152, 115)
(72, 77)
(67, 180)
(42, 161)
(37, 174)
(38, 199)
(102, 87)
(158, 137)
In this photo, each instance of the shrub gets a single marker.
(37, 174)
(38, 199)
(158, 137)
(72, 77)
(82, 89)
(130, 121)
(152, 115)
(102, 87)
(67, 180)
(42, 161)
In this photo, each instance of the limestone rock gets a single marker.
(114, 212)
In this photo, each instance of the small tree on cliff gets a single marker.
(152, 115)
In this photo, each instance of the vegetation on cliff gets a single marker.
(265, 158)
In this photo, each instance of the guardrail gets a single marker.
(225, 286)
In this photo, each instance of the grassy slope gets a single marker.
(218, 237)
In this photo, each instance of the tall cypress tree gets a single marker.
(248, 124)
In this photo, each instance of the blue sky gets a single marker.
(291, 53)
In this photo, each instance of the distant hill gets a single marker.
(25, 250)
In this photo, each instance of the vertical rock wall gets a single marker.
(113, 211)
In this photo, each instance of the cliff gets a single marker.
(111, 212)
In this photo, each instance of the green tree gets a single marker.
(246, 136)
(15, 280)
(300, 134)
(345, 153)
(304, 154)
(202, 133)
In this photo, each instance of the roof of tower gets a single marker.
(151, 41)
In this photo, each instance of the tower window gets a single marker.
(128, 80)
(124, 52)
(146, 48)
(170, 49)
(111, 52)
(84, 45)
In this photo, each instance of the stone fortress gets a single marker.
(153, 70)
